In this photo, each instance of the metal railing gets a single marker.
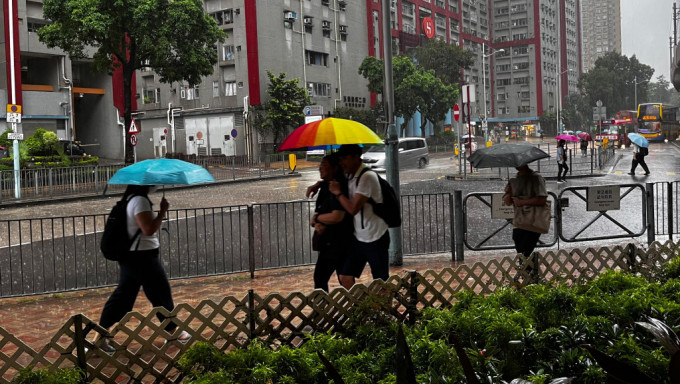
(62, 254)
(91, 179)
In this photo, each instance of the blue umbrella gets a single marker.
(162, 172)
(638, 139)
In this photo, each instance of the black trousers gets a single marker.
(562, 167)
(330, 260)
(525, 242)
(640, 160)
(141, 269)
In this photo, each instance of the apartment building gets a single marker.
(601, 29)
(54, 92)
(522, 49)
(320, 42)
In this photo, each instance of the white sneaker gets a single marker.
(183, 337)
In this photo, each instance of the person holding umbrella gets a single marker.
(332, 225)
(561, 162)
(526, 189)
(640, 150)
(142, 266)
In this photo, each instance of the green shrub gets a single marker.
(42, 376)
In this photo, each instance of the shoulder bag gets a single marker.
(534, 218)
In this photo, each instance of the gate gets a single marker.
(493, 222)
(607, 212)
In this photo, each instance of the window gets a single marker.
(151, 96)
(223, 17)
(319, 89)
(216, 88)
(230, 88)
(227, 52)
(317, 58)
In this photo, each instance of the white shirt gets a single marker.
(373, 227)
(136, 205)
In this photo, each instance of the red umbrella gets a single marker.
(585, 136)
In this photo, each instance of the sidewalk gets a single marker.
(36, 319)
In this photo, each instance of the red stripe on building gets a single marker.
(14, 95)
(538, 62)
(253, 53)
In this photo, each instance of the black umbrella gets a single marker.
(506, 155)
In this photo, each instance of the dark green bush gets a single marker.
(42, 376)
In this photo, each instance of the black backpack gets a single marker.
(644, 151)
(390, 209)
(116, 242)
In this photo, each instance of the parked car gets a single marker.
(413, 152)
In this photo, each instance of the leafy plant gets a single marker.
(42, 376)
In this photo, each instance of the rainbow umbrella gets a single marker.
(323, 134)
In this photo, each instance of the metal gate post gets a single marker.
(452, 223)
(251, 314)
(251, 241)
(79, 340)
(669, 199)
(571, 166)
(50, 175)
(459, 226)
(96, 179)
(233, 168)
(651, 234)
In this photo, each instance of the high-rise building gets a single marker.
(601, 27)
(540, 42)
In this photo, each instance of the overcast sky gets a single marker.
(646, 26)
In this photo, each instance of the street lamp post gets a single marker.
(485, 126)
(559, 99)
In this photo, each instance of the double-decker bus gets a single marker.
(617, 130)
(658, 122)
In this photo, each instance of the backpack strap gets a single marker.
(139, 230)
(357, 185)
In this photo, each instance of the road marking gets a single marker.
(670, 173)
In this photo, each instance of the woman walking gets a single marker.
(561, 162)
(332, 225)
(141, 267)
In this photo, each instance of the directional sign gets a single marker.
(15, 136)
(133, 139)
(456, 112)
(133, 128)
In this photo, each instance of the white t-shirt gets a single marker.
(136, 205)
(373, 227)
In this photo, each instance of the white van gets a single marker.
(413, 152)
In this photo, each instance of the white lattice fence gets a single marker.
(142, 354)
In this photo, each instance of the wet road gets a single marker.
(663, 162)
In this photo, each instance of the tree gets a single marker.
(575, 112)
(612, 80)
(445, 60)
(661, 92)
(367, 117)
(284, 107)
(548, 121)
(133, 34)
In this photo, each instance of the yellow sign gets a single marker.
(292, 162)
(13, 108)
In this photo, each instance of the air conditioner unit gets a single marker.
(307, 20)
(290, 16)
(325, 24)
(343, 29)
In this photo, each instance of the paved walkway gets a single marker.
(35, 319)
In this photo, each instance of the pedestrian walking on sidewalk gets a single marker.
(142, 266)
(584, 148)
(332, 225)
(371, 239)
(561, 162)
(639, 154)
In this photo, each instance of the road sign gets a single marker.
(133, 139)
(133, 128)
(311, 110)
(13, 117)
(456, 112)
(14, 108)
(428, 27)
(15, 136)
